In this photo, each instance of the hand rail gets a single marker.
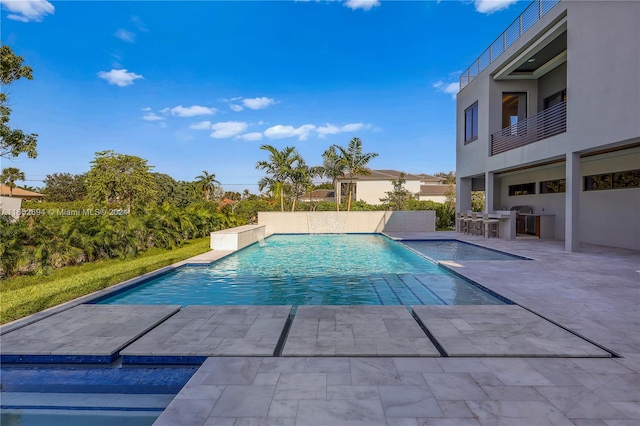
(532, 14)
(550, 122)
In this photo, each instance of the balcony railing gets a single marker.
(550, 122)
(532, 14)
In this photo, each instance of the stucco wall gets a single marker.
(237, 238)
(347, 222)
(371, 191)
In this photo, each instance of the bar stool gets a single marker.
(490, 226)
(459, 222)
(466, 223)
(476, 224)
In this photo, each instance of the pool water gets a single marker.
(457, 250)
(81, 396)
(312, 270)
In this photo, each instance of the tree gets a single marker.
(355, 163)
(302, 180)
(207, 182)
(61, 187)
(115, 178)
(449, 177)
(333, 168)
(279, 168)
(13, 142)
(397, 198)
(9, 177)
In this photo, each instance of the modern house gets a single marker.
(371, 188)
(548, 117)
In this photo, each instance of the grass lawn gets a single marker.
(26, 295)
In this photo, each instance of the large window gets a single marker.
(553, 186)
(514, 109)
(522, 189)
(471, 123)
(615, 180)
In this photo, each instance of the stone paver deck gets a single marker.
(356, 331)
(501, 330)
(84, 334)
(201, 331)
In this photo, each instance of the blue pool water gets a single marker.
(457, 250)
(312, 270)
(96, 396)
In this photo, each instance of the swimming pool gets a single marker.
(457, 250)
(96, 396)
(332, 269)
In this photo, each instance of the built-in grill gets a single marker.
(524, 224)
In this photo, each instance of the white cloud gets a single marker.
(125, 35)
(202, 125)
(236, 108)
(227, 129)
(362, 4)
(146, 109)
(152, 116)
(449, 88)
(162, 124)
(139, 24)
(27, 11)
(120, 78)
(258, 103)
(281, 132)
(253, 136)
(332, 129)
(490, 6)
(191, 111)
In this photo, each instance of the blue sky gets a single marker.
(194, 86)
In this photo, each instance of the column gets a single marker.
(463, 194)
(488, 192)
(572, 203)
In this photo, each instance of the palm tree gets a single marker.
(207, 182)
(9, 177)
(333, 168)
(355, 163)
(279, 168)
(302, 179)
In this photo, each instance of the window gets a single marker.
(471, 123)
(615, 180)
(514, 109)
(555, 99)
(522, 189)
(553, 186)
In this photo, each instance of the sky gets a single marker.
(193, 86)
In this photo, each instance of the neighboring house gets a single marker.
(11, 205)
(5, 191)
(548, 117)
(319, 195)
(375, 186)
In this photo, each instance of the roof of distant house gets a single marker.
(394, 174)
(434, 189)
(18, 192)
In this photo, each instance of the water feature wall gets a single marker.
(347, 222)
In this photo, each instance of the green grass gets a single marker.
(26, 295)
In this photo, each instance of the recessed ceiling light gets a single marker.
(531, 60)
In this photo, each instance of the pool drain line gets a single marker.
(285, 333)
(431, 337)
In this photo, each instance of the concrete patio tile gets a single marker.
(338, 379)
(448, 422)
(402, 421)
(283, 408)
(301, 386)
(350, 412)
(198, 391)
(620, 422)
(418, 365)
(327, 365)
(266, 379)
(374, 371)
(516, 372)
(513, 393)
(356, 331)
(612, 387)
(409, 401)
(269, 421)
(521, 413)
(352, 392)
(200, 330)
(462, 365)
(455, 408)
(579, 402)
(630, 410)
(231, 371)
(501, 330)
(244, 401)
(185, 412)
(454, 386)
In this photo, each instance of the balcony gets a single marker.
(532, 14)
(550, 122)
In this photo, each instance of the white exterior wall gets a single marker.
(436, 198)
(603, 106)
(371, 191)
